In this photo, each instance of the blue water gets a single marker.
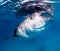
(47, 41)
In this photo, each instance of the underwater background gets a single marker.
(47, 41)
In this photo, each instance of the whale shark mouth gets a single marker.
(37, 15)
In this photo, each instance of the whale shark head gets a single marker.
(38, 16)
